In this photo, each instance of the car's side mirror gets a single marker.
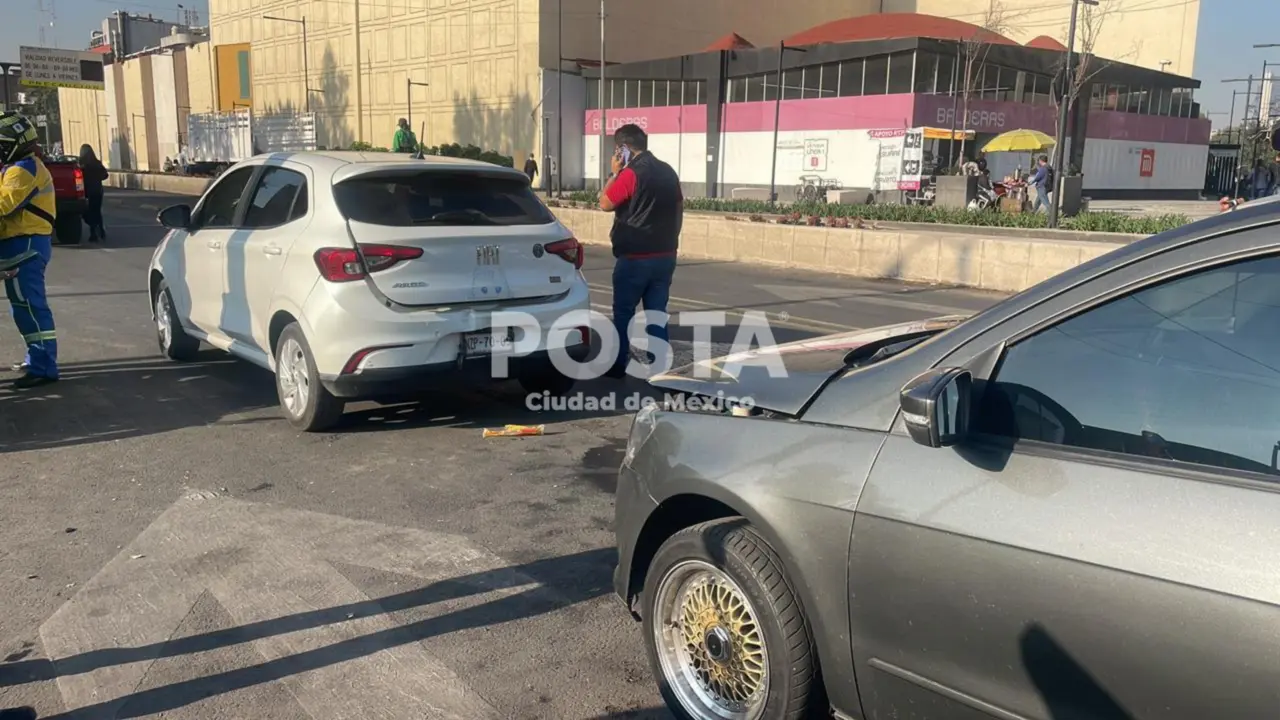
(935, 406)
(175, 217)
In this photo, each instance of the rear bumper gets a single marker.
(406, 380)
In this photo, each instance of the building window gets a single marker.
(946, 74)
(875, 78)
(1166, 103)
(900, 68)
(1135, 100)
(792, 85)
(660, 93)
(755, 88)
(812, 82)
(830, 80)
(851, 78)
(770, 82)
(738, 90)
(646, 94)
(695, 92)
(926, 72)
(246, 79)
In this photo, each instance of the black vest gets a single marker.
(650, 221)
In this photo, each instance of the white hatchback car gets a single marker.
(354, 275)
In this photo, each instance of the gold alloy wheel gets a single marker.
(710, 644)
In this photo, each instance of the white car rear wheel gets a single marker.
(306, 403)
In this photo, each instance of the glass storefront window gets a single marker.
(926, 72)
(645, 96)
(811, 82)
(851, 78)
(875, 78)
(755, 88)
(947, 67)
(792, 85)
(900, 65)
(830, 80)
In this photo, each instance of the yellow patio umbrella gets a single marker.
(1019, 141)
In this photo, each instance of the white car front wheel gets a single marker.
(306, 403)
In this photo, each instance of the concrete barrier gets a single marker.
(971, 258)
(158, 182)
(1004, 259)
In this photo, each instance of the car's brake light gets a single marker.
(569, 249)
(344, 265)
(79, 175)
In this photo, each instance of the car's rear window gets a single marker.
(440, 198)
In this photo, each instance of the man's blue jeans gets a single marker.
(1042, 199)
(639, 281)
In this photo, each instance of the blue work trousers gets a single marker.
(31, 255)
(640, 281)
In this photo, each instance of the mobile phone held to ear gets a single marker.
(625, 153)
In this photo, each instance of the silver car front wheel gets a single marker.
(710, 644)
(306, 403)
(727, 637)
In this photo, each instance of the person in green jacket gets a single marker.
(404, 140)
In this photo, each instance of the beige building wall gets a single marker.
(649, 29)
(200, 78)
(134, 122)
(478, 58)
(84, 120)
(1140, 32)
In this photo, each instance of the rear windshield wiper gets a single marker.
(875, 352)
(474, 217)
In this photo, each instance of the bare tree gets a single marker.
(1085, 63)
(995, 23)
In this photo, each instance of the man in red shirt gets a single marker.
(644, 195)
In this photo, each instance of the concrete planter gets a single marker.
(955, 191)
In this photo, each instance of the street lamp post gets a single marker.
(1055, 196)
(409, 84)
(1164, 64)
(604, 105)
(777, 116)
(1244, 121)
(306, 66)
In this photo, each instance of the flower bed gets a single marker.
(832, 215)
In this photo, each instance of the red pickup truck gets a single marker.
(68, 186)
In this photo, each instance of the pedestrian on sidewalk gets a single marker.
(404, 140)
(531, 168)
(1042, 181)
(95, 174)
(645, 197)
(28, 211)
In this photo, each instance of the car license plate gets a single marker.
(486, 342)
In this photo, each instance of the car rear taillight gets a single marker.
(344, 265)
(79, 175)
(570, 250)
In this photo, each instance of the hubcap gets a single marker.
(292, 375)
(710, 645)
(164, 327)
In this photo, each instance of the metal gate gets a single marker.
(1220, 173)
(234, 136)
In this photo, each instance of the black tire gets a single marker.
(735, 549)
(540, 379)
(179, 345)
(320, 410)
(68, 229)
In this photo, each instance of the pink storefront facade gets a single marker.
(725, 140)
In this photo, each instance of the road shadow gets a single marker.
(548, 585)
(129, 397)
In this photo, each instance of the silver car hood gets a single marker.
(784, 378)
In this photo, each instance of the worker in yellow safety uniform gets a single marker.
(27, 213)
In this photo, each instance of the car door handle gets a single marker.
(213, 244)
(271, 250)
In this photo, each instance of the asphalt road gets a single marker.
(181, 552)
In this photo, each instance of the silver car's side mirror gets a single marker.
(935, 406)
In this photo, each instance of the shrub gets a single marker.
(812, 213)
